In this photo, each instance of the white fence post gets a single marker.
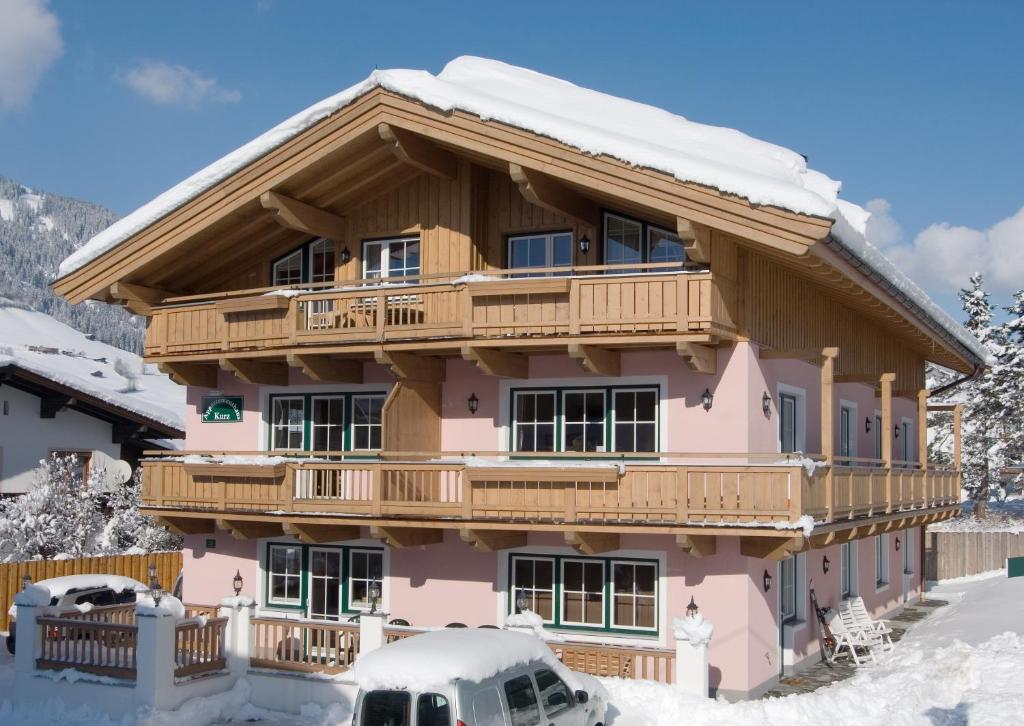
(692, 636)
(28, 635)
(371, 632)
(155, 660)
(239, 612)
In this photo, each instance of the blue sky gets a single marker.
(917, 106)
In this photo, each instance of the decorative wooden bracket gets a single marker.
(699, 358)
(417, 151)
(492, 540)
(696, 545)
(329, 370)
(498, 363)
(411, 366)
(248, 529)
(182, 526)
(202, 375)
(592, 543)
(138, 298)
(596, 360)
(320, 533)
(771, 548)
(544, 191)
(293, 214)
(255, 371)
(49, 406)
(120, 433)
(696, 240)
(399, 537)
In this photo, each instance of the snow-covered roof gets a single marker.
(434, 659)
(37, 343)
(593, 122)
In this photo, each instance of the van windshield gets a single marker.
(386, 708)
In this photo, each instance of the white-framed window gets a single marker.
(634, 595)
(288, 269)
(629, 240)
(366, 570)
(287, 422)
(534, 423)
(881, 560)
(583, 420)
(367, 422)
(327, 423)
(284, 574)
(788, 589)
(321, 261)
(385, 258)
(534, 579)
(324, 584)
(664, 246)
(635, 420)
(847, 574)
(540, 250)
(583, 592)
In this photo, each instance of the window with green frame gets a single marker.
(611, 418)
(591, 593)
(325, 582)
(326, 421)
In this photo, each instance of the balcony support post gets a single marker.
(399, 537)
(246, 529)
(697, 545)
(886, 382)
(828, 362)
(497, 363)
(201, 375)
(592, 543)
(958, 414)
(322, 368)
(775, 549)
(256, 371)
(696, 240)
(492, 540)
(596, 360)
(320, 533)
(922, 428)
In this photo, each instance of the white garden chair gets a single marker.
(851, 640)
(855, 615)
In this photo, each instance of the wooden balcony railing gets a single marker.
(666, 492)
(469, 307)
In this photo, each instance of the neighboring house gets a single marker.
(519, 340)
(62, 392)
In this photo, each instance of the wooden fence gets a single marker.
(199, 646)
(168, 565)
(105, 649)
(958, 554)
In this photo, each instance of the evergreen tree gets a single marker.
(1010, 377)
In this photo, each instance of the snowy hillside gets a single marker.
(37, 231)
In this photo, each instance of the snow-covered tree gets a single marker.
(127, 530)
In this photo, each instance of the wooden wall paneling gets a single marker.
(412, 417)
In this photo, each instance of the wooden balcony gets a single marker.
(667, 497)
(498, 305)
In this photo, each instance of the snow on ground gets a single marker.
(1005, 516)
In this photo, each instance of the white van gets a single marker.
(473, 678)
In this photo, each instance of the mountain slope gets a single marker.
(37, 231)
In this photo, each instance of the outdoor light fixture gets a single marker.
(521, 601)
(767, 581)
(897, 544)
(707, 398)
(584, 244)
(374, 597)
(153, 584)
(345, 256)
(691, 609)
(825, 563)
(473, 403)
(766, 403)
(867, 425)
(26, 580)
(157, 594)
(896, 431)
(236, 582)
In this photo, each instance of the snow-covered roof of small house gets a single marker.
(595, 123)
(37, 343)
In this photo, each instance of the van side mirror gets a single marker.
(582, 696)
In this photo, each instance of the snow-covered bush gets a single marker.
(128, 530)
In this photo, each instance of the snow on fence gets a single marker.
(105, 649)
(116, 614)
(168, 565)
(199, 646)
(959, 554)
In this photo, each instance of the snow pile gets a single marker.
(241, 460)
(169, 605)
(83, 607)
(433, 659)
(694, 629)
(37, 343)
(32, 596)
(238, 601)
(525, 619)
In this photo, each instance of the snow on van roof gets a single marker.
(40, 593)
(434, 659)
(595, 123)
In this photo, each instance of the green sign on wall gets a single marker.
(1015, 566)
(222, 409)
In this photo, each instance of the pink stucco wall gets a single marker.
(208, 572)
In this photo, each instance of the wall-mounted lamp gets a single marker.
(584, 244)
(897, 544)
(472, 403)
(345, 256)
(374, 597)
(896, 431)
(826, 563)
(236, 583)
(151, 571)
(521, 602)
(692, 609)
(26, 580)
(867, 425)
(766, 403)
(154, 585)
(767, 581)
(707, 398)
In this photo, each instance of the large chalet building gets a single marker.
(486, 339)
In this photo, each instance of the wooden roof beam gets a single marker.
(138, 298)
(771, 548)
(810, 355)
(293, 214)
(182, 526)
(201, 375)
(399, 537)
(417, 151)
(492, 540)
(50, 406)
(320, 533)
(696, 240)
(327, 369)
(411, 366)
(699, 358)
(596, 360)
(250, 529)
(545, 191)
(498, 363)
(259, 372)
(592, 543)
(696, 545)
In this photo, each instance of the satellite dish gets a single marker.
(120, 471)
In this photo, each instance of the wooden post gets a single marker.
(886, 435)
(828, 359)
(377, 491)
(922, 428)
(958, 413)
